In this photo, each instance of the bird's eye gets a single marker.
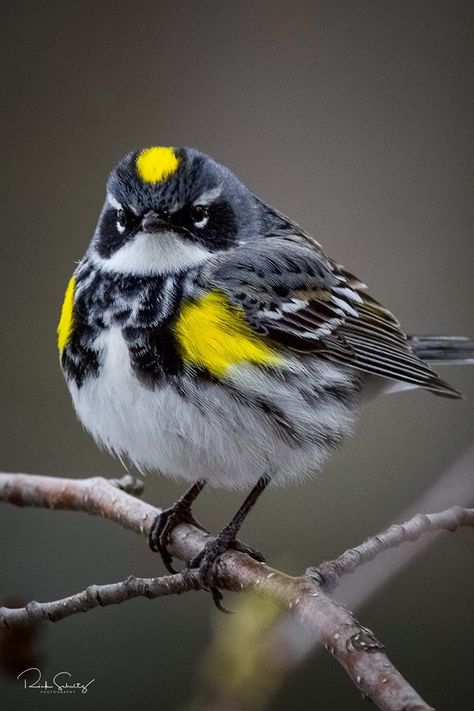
(200, 215)
(121, 221)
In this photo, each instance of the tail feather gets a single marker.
(443, 349)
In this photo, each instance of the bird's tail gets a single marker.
(443, 349)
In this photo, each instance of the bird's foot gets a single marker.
(205, 561)
(162, 528)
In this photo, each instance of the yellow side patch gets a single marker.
(156, 164)
(213, 334)
(66, 321)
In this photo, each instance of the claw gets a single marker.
(204, 564)
(217, 596)
(162, 528)
(205, 561)
(180, 512)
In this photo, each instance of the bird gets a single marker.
(207, 336)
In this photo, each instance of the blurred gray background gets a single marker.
(355, 118)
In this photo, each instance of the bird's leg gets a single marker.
(227, 539)
(180, 512)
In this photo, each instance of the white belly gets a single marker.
(222, 440)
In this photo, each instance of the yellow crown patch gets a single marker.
(156, 164)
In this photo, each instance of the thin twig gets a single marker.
(97, 596)
(329, 572)
(332, 625)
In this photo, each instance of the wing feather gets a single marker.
(294, 295)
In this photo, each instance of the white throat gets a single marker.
(153, 254)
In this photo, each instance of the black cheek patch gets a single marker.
(109, 239)
(221, 229)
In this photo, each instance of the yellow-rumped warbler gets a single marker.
(207, 336)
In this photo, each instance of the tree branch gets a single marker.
(305, 598)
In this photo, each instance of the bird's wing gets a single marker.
(293, 295)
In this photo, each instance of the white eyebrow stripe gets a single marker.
(209, 196)
(113, 202)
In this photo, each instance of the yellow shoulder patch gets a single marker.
(66, 321)
(156, 163)
(213, 334)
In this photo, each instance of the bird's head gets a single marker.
(168, 209)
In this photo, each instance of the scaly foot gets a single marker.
(160, 532)
(205, 560)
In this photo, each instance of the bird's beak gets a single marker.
(152, 223)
